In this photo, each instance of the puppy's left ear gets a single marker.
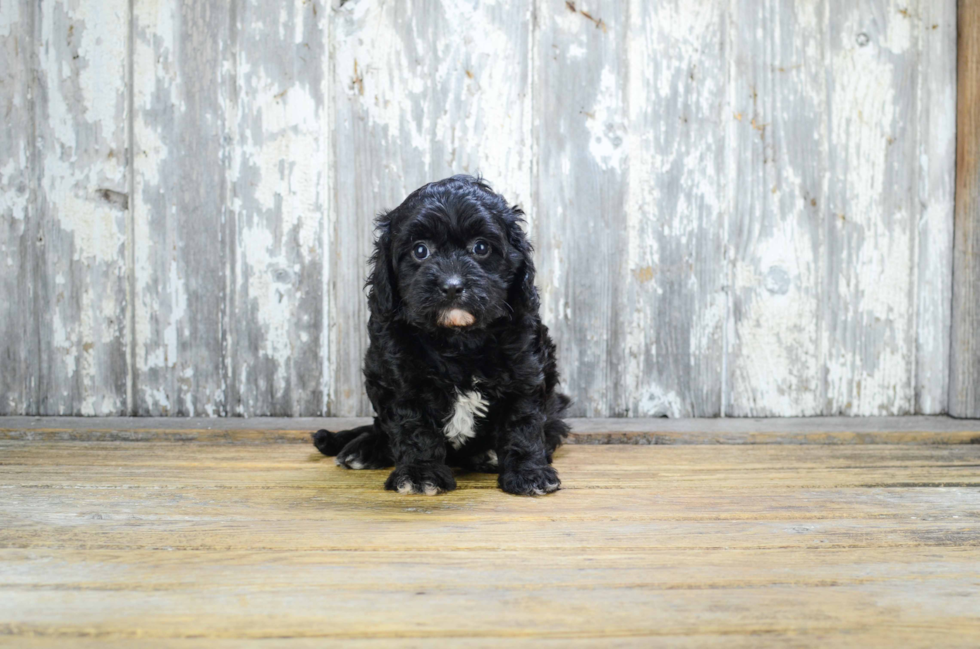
(522, 295)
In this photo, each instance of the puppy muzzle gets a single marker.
(456, 318)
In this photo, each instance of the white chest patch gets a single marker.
(462, 423)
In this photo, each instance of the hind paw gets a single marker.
(326, 442)
(369, 451)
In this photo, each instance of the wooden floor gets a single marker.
(231, 544)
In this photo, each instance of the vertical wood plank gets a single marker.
(832, 280)
(674, 301)
(18, 322)
(580, 139)
(183, 232)
(82, 203)
(964, 388)
(778, 193)
(279, 174)
(933, 213)
(422, 90)
(869, 217)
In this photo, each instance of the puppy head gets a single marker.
(452, 256)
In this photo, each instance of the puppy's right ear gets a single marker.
(382, 287)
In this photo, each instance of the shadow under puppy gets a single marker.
(460, 370)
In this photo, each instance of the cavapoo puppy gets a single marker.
(460, 370)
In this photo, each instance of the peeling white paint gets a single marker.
(178, 311)
(81, 150)
(936, 101)
(875, 280)
(64, 346)
(273, 302)
(605, 124)
(576, 52)
(14, 194)
(104, 53)
(72, 175)
(160, 294)
(382, 80)
(657, 402)
(10, 19)
(278, 173)
(673, 200)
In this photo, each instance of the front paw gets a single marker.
(428, 479)
(530, 481)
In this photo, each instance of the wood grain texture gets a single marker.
(184, 225)
(739, 208)
(673, 301)
(580, 228)
(18, 213)
(868, 231)
(934, 197)
(279, 198)
(964, 389)
(79, 270)
(777, 130)
(178, 544)
(841, 178)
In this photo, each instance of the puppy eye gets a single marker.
(420, 251)
(481, 248)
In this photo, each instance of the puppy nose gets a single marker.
(452, 287)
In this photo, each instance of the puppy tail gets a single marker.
(331, 443)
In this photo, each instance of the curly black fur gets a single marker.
(419, 363)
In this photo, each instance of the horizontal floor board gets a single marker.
(81, 504)
(856, 635)
(549, 612)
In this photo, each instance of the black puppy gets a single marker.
(460, 370)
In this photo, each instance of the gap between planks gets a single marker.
(812, 430)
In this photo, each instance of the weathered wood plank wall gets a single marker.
(740, 207)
